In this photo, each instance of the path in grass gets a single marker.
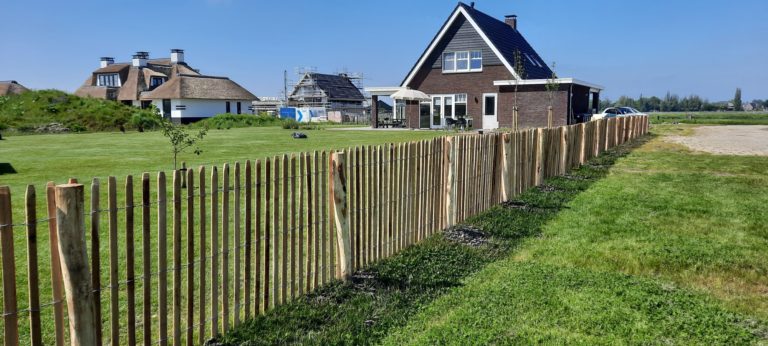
(669, 248)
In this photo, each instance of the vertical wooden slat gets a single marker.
(130, 282)
(70, 210)
(202, 320)
(114, 279)
(328, 261)
(176, 257)
(56, 277)
(284, 234)
(257, 244)
(340, 211)
(276, 233)
(190, 256)
(236, 246)
(33, 281)
(293, 258)
(248, 234)
(225, 215)
(214, 250)
(146, 260)
(300, 227)
(312, 231)
(321, 255)
(267, 230)
(363, 207)
(162, 255)
(389, 190)
(369, 214)
(96, 255)
(376, 203)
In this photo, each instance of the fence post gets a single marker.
(539, 157)
(506, 166)
(74, 264)
(10, 317)
(338, 184)
(450, 185)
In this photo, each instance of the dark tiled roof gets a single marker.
(507, 40)
(337, 87)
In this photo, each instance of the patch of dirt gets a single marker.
(726, 140)
(467, 235)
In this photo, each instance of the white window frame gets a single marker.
(468, 59)
(495, 104)
(113, 76)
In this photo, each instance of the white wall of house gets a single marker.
(199, 108)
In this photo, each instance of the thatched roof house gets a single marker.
(179, 91)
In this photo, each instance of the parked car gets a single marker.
(612, 112)
(629, 111)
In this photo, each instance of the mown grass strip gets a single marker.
(387, 294)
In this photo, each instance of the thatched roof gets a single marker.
(11, 87)
(135, 83)
(199, 87)
(99, 92)
(131, 86)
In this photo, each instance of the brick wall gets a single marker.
(533, 101)
(474, 84)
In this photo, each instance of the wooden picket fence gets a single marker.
(191, 255)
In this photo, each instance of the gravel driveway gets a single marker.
(727, 140)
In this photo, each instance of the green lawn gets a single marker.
(654, 246)
(41, 158)
(711, 118)
(670, 247)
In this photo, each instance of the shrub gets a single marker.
(144, 120)
(228, 120)
(290, 124)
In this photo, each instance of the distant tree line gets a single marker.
(674, 103)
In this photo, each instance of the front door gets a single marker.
(490, 111)
(167, 108)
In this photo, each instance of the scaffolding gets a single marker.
(307, 93)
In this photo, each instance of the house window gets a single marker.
(228, 108)
(461, 105)
(489, 104)
(109, 80)
(464, 61)
(449, 62)
(239, 108)
(156, 81)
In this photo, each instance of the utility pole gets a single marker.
(285, 87)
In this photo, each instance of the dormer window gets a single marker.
(463, 61)
(156, 81)
(108, 80)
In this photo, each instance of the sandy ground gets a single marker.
(727, 140)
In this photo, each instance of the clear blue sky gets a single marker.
(706, 47)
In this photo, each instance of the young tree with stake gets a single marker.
(520, 71)
(551, 86)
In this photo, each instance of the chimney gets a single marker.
(177, 56)
(140, 59)
(106, 61)
(511, 20)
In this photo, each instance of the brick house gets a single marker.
(468, 72)
(178, 91)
